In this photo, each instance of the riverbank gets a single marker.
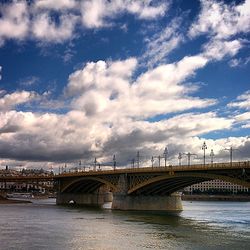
(9, 201)
(215, 197)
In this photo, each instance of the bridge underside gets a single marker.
(167, 186)
(84, 192)
(84, 187)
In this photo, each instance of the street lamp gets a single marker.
(138, 158)
(212, 156)
(133, 163)
(204, 147)
(231, 154)
(80, 165)
(95, 162)
(179, 158)
(165, 155)
(114, 162)
(152, 160)
(189, 157)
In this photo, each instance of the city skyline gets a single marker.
(86, 79)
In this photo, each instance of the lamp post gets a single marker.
(80, 165)
(133, 163)
(138, 159)
(230, 154)
(212, 156)
(189, 157)
(165, 155)
(152, 160)
(159, 159)
(114, 162)
(204, 147)
(95, 162)
(179, 158)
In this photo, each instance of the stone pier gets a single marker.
(170, 203)
(96, 199)
(123, 201)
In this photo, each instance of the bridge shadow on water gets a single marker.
(148, 217)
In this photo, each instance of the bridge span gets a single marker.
(148, 188)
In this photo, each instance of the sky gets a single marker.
(91, 79)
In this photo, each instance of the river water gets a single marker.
(202, 225)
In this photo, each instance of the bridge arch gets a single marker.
(167, 184)
(86, 185)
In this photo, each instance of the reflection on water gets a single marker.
(202, 225)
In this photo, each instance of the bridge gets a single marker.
(46, 181)
(148, 188)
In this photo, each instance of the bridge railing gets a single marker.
(169, 168)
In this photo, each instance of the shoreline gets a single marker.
(4, 200)
(244, 198)
(8, 201)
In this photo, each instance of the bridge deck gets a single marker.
(168, 169)
(183, 168)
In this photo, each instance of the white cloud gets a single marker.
(243, 117)
(107, 88)
(24, 19)
(14, 21)
(240, 62)
(222, 20)
(243, 101)
(162, 43)
(10, 101)
(145, 9)
(197, 124)
(55, 4)
(28, 81)
(98, 13)
(217, 49)
(234, 63)
(246, 125)
(45, 29)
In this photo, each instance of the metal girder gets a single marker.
(88, 178)
(195, 176)
(168, 186)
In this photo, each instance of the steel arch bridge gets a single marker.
(145, 188)
(154, 181)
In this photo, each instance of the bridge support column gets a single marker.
(96, 199)
(147, 203)
(123, 201)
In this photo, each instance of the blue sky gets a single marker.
(85, 79)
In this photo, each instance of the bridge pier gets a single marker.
(170, 203)
(123, 201)
(96, 199)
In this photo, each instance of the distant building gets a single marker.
(11, 186)
(216, 186)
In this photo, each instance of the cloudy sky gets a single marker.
(94, 78)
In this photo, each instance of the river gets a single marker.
(202, 225)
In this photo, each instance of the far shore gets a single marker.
(4, 200)
(195, 197)
(8, 201)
